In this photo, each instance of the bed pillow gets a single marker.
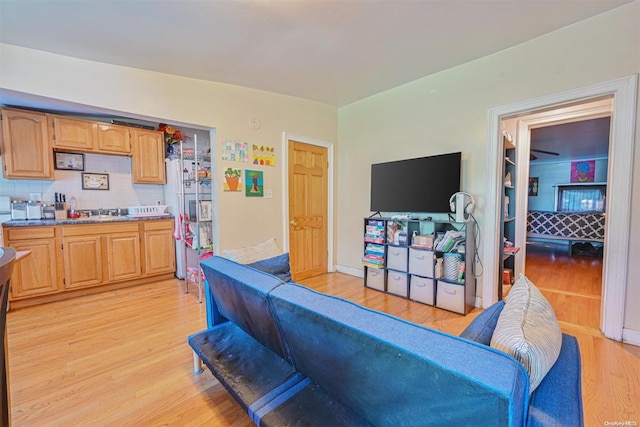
(277, 266)
(247, 255)
(528, 330)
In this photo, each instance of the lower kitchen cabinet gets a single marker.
(36, 274)
(82, 261)
(159, 247)
(123, 256)
(68, 259)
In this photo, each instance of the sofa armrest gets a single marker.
(481, 328)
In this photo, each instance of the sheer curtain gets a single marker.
(581, 199)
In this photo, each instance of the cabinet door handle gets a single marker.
(294, 223)
(420, 285)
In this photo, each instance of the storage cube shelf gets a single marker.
(429, 261)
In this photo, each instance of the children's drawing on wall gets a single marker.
(232, 179)
(583, 171)
(264, 155)
(254, 185)
(234, 150)
(533, 186)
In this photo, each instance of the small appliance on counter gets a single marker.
(34, 210)
(18, 209)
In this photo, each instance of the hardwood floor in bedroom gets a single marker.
(121, 358)
(571, 283)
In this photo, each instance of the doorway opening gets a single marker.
(618, 206)
(562, 191)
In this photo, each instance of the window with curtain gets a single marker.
(581, 198)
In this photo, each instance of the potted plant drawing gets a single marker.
(232, 177)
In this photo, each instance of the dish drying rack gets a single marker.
(142, 211)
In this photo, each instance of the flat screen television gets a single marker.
(421, 185)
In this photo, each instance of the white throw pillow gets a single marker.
(250, 254)
(528, 330)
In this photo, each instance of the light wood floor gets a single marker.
(121, 359)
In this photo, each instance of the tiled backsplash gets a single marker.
(122, 192)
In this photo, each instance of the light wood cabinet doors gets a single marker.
(160, 248)
(113, 139)
(147, 157)
(123, 255)
(26, 151)
(82, 261)
(71, 134)
(36, 274)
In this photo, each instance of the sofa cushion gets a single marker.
(481, 328)
(528, 330)
(267, 249)
(277, 266)
(394, 372)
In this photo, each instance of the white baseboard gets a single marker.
(630, 336)
(350, 271)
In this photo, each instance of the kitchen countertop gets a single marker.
(84, 220)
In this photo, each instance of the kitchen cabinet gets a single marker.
(82, 261)
(147, 156)
(69, 134)
(36, 274)
(123, 254)
(159, 247)
(26, 150)
(76, 259)
(113, 139)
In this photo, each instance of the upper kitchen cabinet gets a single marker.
(26, 150)
(147, 157)
(71, 134)
(113, 139)
(88, 136)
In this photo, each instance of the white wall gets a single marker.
(229, 109)
(447, 112)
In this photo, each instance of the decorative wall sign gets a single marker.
(69, 161)
(264, 155)
(254, 184)
(583, 171)
(95, 181)
(234, 150)
(533, 186)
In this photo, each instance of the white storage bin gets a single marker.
(450, 297)
(421, 262)
(422, 290)
(397, 258)
(397, 283)
(375, 278)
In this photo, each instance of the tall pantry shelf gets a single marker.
(195, 210)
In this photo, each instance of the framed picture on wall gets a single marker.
(533, 186)
(69, 161)
(95, 181)
(583, 171)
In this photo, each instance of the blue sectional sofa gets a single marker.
(292, 356)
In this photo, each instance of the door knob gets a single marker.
(294, 223)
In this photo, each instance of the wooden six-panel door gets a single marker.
(307, 209)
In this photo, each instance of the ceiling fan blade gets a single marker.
(545, 152)
(533, 156)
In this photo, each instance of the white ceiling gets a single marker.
(332, 51)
